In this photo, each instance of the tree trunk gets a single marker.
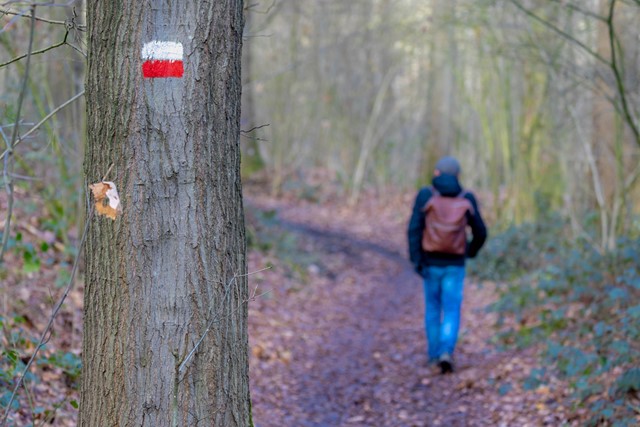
(170, 269)
(448, 108)
(252, 160)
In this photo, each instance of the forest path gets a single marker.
(345, 345)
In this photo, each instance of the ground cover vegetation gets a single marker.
(579, 306)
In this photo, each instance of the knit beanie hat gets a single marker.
(448, 165)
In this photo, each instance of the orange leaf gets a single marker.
(106, 198)
(99, 190)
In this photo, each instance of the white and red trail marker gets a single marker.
(162, 59)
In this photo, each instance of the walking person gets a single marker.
(438, 248)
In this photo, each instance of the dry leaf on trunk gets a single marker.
(106, 198)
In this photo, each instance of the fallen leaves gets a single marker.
(107, 200)
(28, 300)
(348, 348)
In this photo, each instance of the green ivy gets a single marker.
(16, 345)
(579, 305)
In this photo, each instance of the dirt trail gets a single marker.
(347, 347)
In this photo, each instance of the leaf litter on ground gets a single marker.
(337, 339)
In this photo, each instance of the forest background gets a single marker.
(348, 100)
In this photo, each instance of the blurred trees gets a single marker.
(49, 158)
(528, 94)
(540, 100)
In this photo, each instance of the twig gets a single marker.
(206, 331)
(255, 295)
(44, 119)
(216, 318)
(35, 3)
(37, 18)
(10, 145)
(564, 34)
(255, 128)
(245, 133)
(37, 52)
(108, 172)
(77, 49)
(45, 334)
(179, 365)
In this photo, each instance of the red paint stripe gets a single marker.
(162, 68)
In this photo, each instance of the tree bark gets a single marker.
(172, 266)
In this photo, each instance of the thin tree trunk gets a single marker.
(369, 137)
(172, 266)
(448, 123)
(251, 159)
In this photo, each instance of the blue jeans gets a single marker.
(443, 288)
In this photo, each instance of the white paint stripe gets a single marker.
(162, 50)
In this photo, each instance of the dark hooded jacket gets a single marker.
(447, 186)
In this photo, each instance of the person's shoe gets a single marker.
(445, 363)
(432, 366)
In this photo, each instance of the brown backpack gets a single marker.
(446, 223)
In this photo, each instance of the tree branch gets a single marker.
(37, 18)
(564, 34)
(44, 338)
(255, 128)
(37, 52)
(45, 334)
(217, 318)
(77, 49)
(44, 119)
(618, 75)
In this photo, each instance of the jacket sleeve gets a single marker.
(416, 227)
(478, 228)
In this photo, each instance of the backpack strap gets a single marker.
(434, 192)
(461, 195)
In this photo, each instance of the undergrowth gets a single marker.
(582, 307)
(16, 343)
(266, 235)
